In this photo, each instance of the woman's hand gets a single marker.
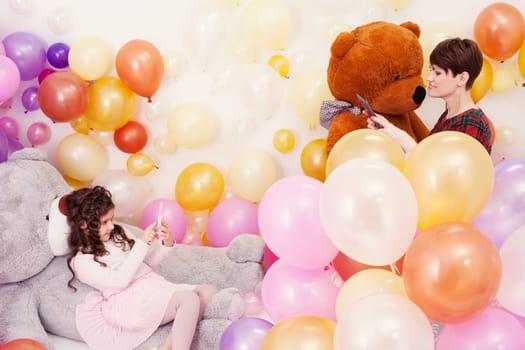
(378, 122)
(164, 233)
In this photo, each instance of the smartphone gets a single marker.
(159, 216)
(366, 105)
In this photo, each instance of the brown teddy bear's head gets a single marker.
(382, 62)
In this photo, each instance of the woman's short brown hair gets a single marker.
(458, 55)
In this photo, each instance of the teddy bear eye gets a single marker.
(396, 77)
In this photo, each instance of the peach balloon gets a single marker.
(452, 176)
(452, 271)
(191, 125)
(366, 282)
(313, 159)
(140, 66)
(499, 30)
(90, 57)
(300, 332)
(365, 143)
(81, 157)
(199, 186)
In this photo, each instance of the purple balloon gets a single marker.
(168, 210)
(230, 218)
(27, 51)
(14, 145)
(9, 126)
(57, 55)
(4, 146)
(30, 99)
(504, 213)
(245, 334)
(494, 328)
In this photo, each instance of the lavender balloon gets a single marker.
(505, 210)
(30, 99)
(27, 51)
(245, 334)
(4, 146)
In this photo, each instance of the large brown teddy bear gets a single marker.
(382, 62)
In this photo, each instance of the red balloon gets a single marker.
(23, 344)
(347, 267)
(131, 138)
(140, 66)
(452, 271)
(499, 30)
(63, 96)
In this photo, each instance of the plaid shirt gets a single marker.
(472, 122)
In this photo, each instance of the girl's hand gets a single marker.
(149, 234)
(165, 235)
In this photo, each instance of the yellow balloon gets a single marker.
(366, 282)
(80, 125)
(300, 332)
(90, 57)
(111, 104)
(251, 173)
(505, 135)
(504, 79)
(365, 143)
(280, 64)
(74, 184)
(190, 125)
(309, 89)
(140, 164)
(431, 35)
(283, 140)
(313, 159)
(267, 23)
(199, 187)
(81, 157)
(521, 60)
(483, 82)
(452, 176)
(164, 144)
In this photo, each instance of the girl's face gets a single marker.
(441, 83)
(106, 225)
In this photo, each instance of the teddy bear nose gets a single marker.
(419, 94)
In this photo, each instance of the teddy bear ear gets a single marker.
(342, 44)
(413, 27)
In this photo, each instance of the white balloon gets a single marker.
(22, 7)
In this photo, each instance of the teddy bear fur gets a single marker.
(382, 62)
(35, 299)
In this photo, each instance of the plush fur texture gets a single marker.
(35, 299)
(382, 62)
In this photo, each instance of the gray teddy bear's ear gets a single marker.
(28, 153)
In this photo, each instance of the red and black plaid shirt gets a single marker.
(472, 122)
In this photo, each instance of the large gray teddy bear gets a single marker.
(34, 297)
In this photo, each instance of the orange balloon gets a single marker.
(313, 159)
(131, 138)
(140, 66)
(483, 82)
(199, 187)
(23, 344)
(300, 332)
(499, 30)
(521, 60)
(63, 96)
(452, 271)
(347, 267)
(111, 104)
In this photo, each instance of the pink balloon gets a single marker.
(230, 218)
(269, 258)
(494, 328)
(10, 126)
(9, 78)
(254, 305)
(170, 211)
(38, 133)
(2, 49)
(290, 222)
(291, 291)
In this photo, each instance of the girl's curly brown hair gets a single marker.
(84, 208)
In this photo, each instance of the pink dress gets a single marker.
(130, 300)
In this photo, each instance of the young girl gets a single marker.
(454, 65)
(131, 301)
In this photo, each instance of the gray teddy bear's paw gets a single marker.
(228, 304)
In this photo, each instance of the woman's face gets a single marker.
(106, 225)
(441, 83)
